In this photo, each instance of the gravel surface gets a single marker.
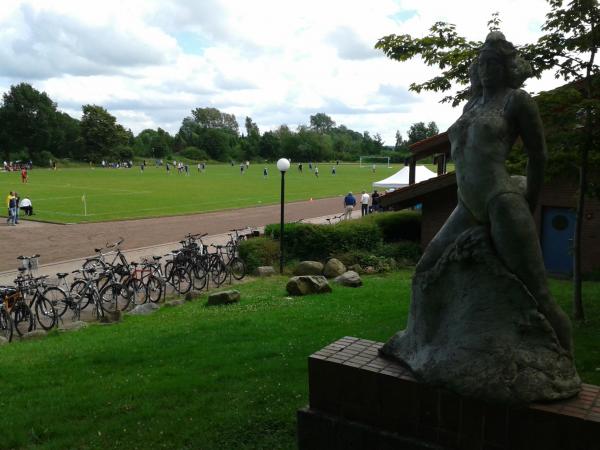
(64, 242)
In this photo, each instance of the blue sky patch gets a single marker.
(191, 43)
(404, 15)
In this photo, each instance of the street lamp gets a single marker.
(282, 165)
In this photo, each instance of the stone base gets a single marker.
(360, 400)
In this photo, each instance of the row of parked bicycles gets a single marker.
(109, 282)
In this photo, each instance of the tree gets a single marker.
(321, 123)
(419, 131)
(568, 48)
(28, 120)
(101, 134)
(213, 118)
(250, 144)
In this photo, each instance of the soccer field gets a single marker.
(113, 194)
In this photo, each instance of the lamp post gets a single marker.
(283, 165)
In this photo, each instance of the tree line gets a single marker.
(32, 128)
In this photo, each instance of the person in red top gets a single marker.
(24, 175)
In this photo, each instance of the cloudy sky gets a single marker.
(278, 61)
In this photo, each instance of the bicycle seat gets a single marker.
(134, 264)
(97, 250)
(22, 269)
(157, 258)
(61, 274)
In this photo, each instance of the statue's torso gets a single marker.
(480, 142)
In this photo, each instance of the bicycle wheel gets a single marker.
(199, 276)
(45, 313)
(218, 271)
(78, 293)
(98, 311)
(237, 268)
(182, 280)
(154, 289)
(58, 299)
(136, 292)
(114, 297)
(22, 317)
(6, 325)
(94, 263)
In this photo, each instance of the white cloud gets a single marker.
(151, 62)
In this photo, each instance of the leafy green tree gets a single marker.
(419, 131)
(101, 134)
(568, 48)
(269, 146)
(321, 123)
(28, 120)
(213, 118)
(251, 142)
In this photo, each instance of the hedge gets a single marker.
(398, 226)
(309, 241)
(258, 252)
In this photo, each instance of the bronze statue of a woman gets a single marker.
(494, 204)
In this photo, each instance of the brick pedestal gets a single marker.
(359, 400)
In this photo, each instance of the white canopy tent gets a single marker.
(400, 178)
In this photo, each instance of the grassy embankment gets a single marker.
(211, 378)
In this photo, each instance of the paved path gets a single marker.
(63, 247)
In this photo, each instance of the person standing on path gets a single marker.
(364, 204)
(349, 204)
(375, 201)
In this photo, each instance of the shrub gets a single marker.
(309, 241)
(367, 259)
(258, 252)
(194, 153)
(398, 226)
(406, 251)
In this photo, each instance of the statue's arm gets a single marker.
(531, 131)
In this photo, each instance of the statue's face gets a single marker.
(490, 70)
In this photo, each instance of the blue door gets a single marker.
(558, 227)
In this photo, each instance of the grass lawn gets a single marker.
(114, 194)
(211, 378)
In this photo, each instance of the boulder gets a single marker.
(173, 303)
(475, 329)
(356, 268)
(35, 334)
(309, 268)
(73, 326)
(223, 298)
(370, 270)
(308, 284)
(265, 271)
(145, 309)
(349, 278)
(333, 268)
(111, 316)
(3, 341)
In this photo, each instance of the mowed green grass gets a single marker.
(196, 377)
(113, 194)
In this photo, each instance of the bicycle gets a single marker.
(43, 311)
(100, 263)
(61, 298)
(85, 292)
(6, 323)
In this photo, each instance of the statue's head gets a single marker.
(498, 64)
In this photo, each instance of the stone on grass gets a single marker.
(174, 303)
(309, 268)
(3, 341)
(369, 270)
(357, 268)
(111, 316)
(349, 278)
(308, 284)
(73, 326)
(265, 271)
(35, 334)
(223, 298)
(144, 310)
(334, 268)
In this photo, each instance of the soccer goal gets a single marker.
(370, 161)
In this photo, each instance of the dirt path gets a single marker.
(63, 242)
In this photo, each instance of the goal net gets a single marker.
(370, 161)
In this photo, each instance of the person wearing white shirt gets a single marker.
(25, 205)
(364, 203)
